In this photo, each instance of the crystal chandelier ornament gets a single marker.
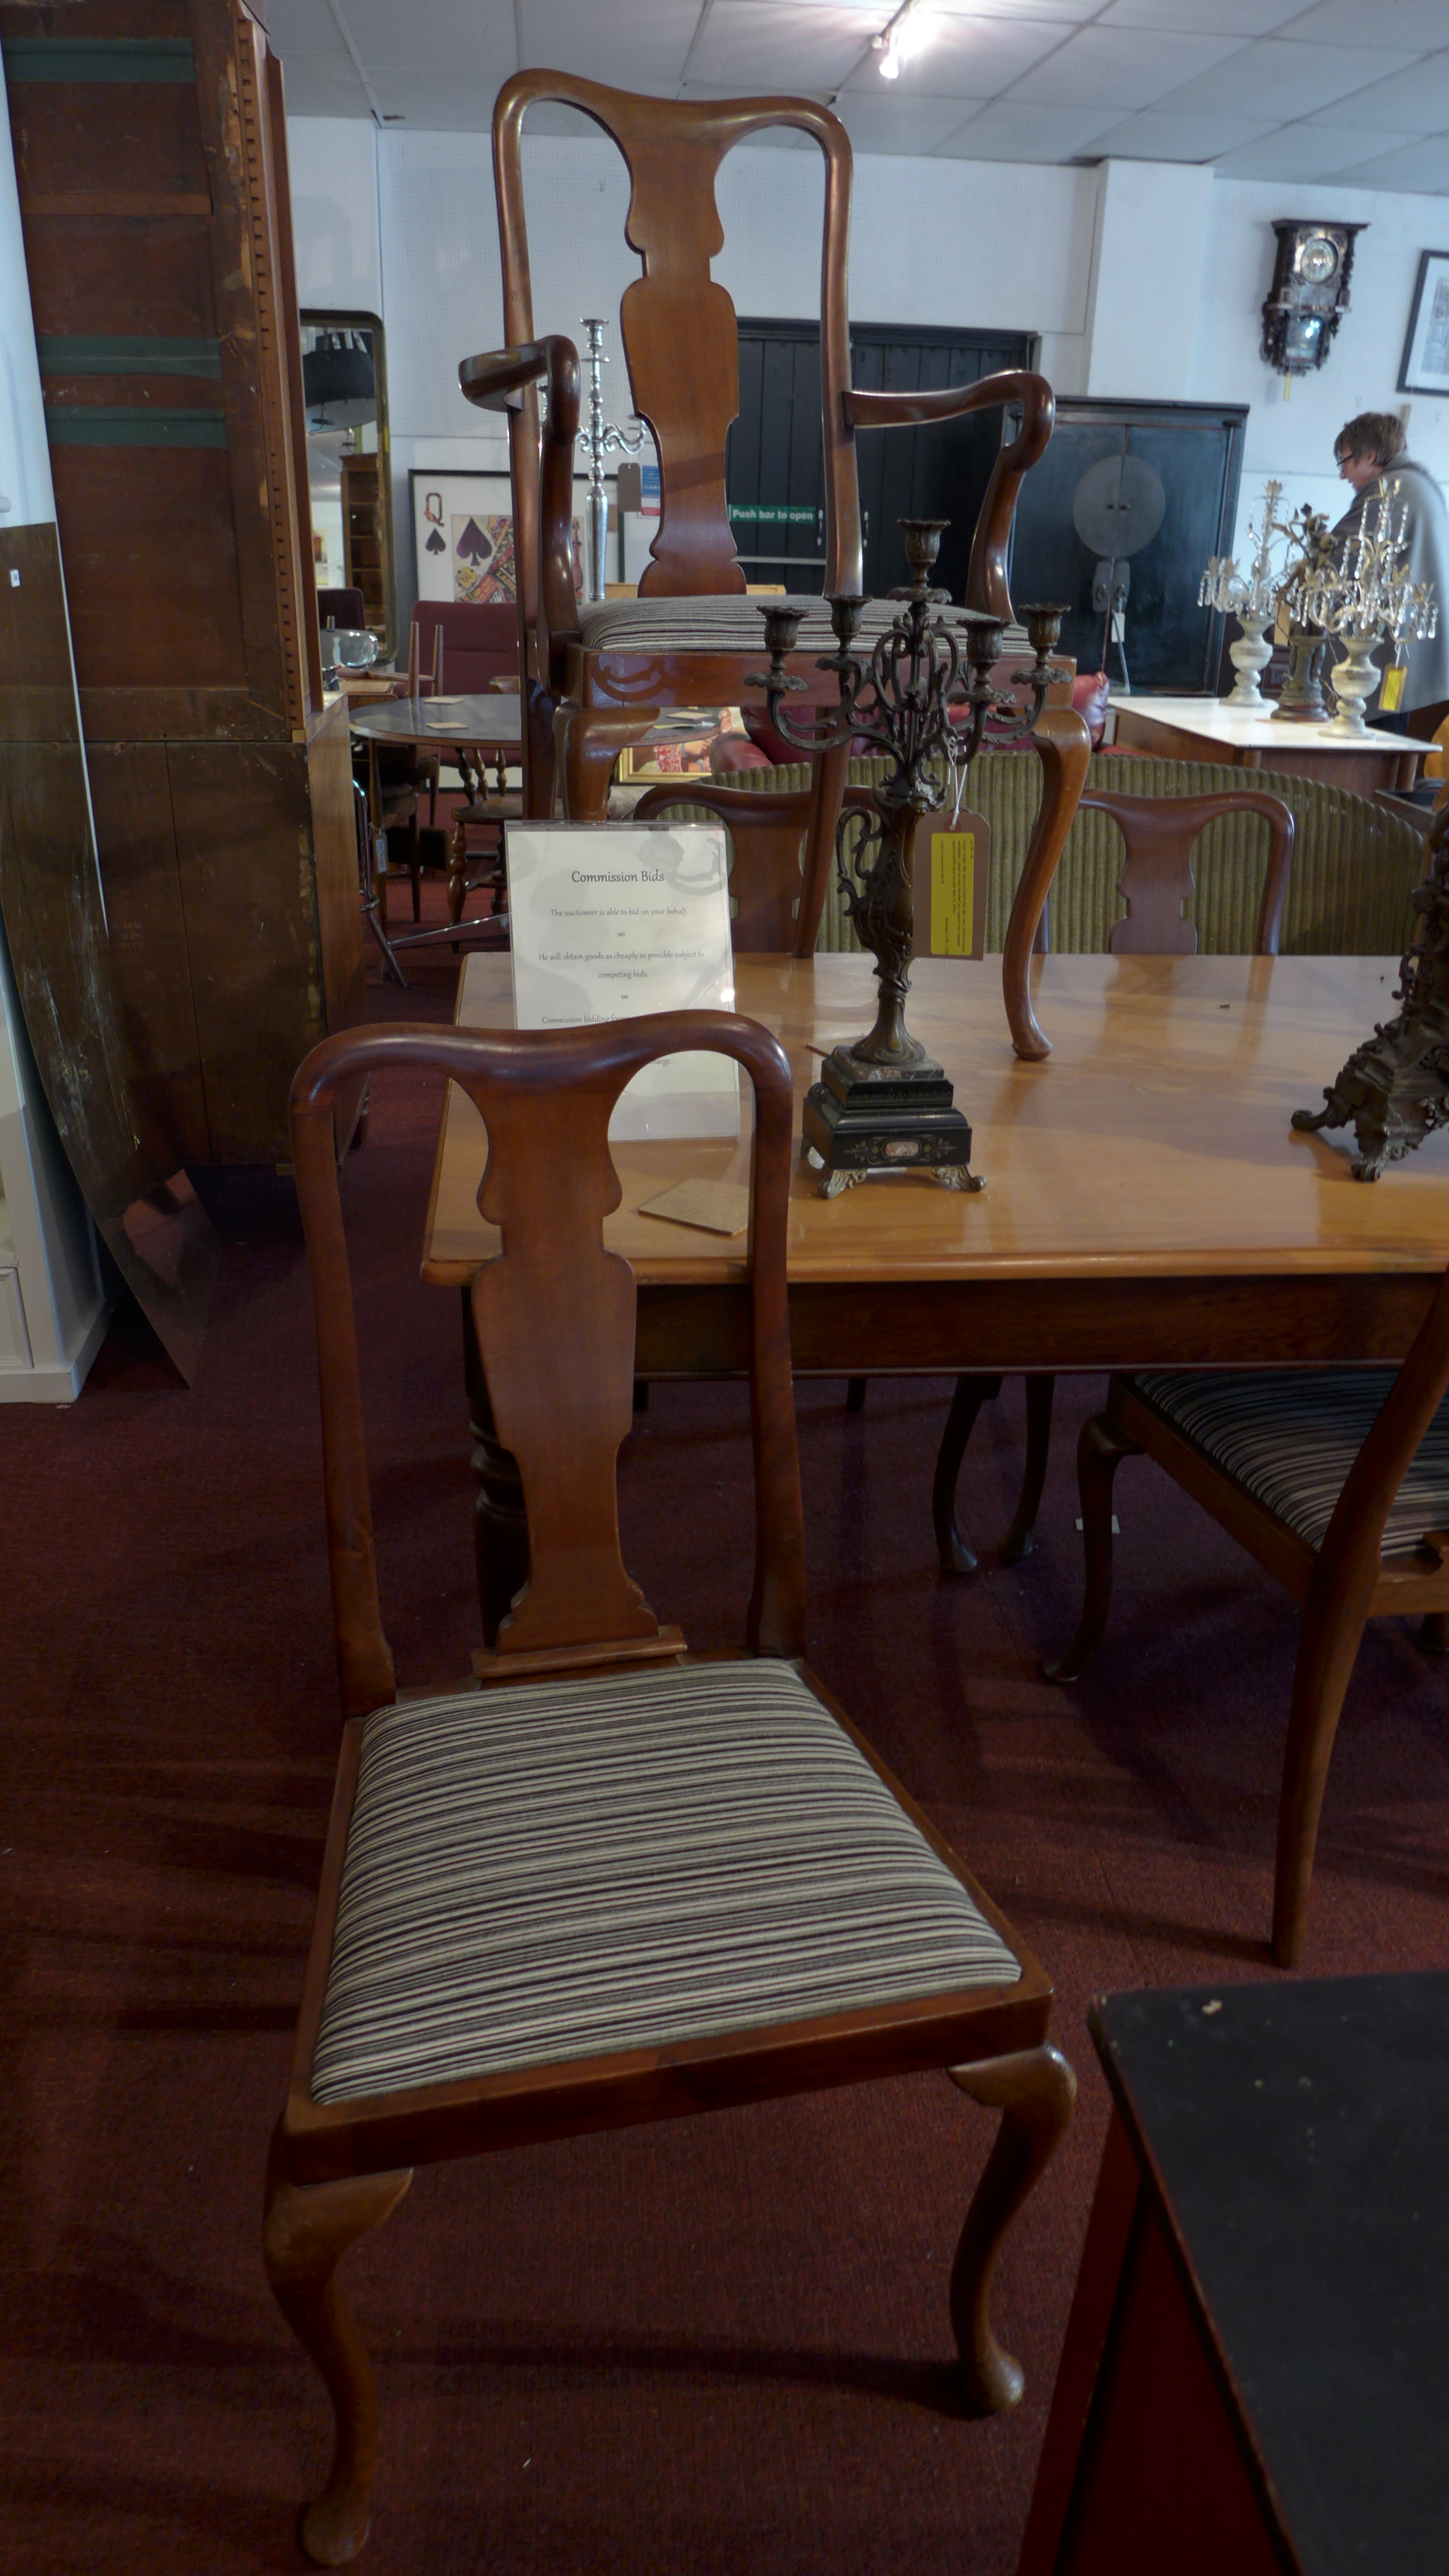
(1366, 600)
(1251, 597)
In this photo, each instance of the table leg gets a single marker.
(379, 838)
(500, 1530)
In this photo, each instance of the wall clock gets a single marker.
(1308, 294)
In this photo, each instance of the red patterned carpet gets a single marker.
(718, 2345)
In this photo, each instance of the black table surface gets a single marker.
(1297, 2136)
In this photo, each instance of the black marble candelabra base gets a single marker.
(862, 1117)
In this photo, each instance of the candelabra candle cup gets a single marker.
(921, 696)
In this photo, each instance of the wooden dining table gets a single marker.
(1147, 1202)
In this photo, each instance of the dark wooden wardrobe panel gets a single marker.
(151, 146)
(131, 800)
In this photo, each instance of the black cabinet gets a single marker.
(1131, 464)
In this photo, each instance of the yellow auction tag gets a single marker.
(1391, 695)
(953, 893)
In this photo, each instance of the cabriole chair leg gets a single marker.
(1018, 1540)
(307, 2230)
(1100, 1451)
(1034, 2092)
(970, 1395)
(1328, 1647)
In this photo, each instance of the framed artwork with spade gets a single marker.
(463, 534)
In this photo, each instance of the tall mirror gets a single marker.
(349, 465)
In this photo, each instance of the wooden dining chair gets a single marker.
(692, 636)
(768, 830)
(1337, 1481)
(1156, 884)
(616, 1884)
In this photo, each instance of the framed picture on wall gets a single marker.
(1426, 351)
(463, 534)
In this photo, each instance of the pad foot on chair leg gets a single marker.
(308, 2229)
(1034, 2091)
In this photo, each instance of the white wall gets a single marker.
(333, 163)
(1141, 278)
(1293, 439)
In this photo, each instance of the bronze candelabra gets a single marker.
(883, 1103)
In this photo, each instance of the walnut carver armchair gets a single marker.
(616, 1884)
(692, 636)
(1156, 884)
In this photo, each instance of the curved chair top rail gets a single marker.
(1157, 880)
(555, 1316)
(681, 340)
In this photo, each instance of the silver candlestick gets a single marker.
(601, 439)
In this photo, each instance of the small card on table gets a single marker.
(611, 921)
(716, 1207)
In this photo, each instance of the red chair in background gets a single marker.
(479, 644)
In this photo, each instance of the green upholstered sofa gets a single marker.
(1354, 863)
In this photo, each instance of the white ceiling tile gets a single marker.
(623, 46)
(1422, 167)
(1006, 131)
(899, 124)
(1304, 152)
(1389, 22)
(1068, 12)
(975, 57)
(1278, 78)
(316, 89)
(318, 73)
(1157, 136)
(756, 45)
(1413, 102)
(1202, 17)
(1113, 69)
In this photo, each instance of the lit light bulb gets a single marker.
(908, 35)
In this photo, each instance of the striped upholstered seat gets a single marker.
(568, 1870)
(1290, 1436)
(731, 624)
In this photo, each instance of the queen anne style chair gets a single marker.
(692, 637)
(617, 1884)
(1156, 883)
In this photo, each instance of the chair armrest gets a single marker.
(499, 381)
(986, 583)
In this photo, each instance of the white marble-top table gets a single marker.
(1209, 729)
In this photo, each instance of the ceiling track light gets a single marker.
(906, 35)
